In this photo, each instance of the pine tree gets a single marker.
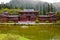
(0, 6)
(44, 9)
(48, 8)
(51, 8)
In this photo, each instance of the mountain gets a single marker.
(41, 6)
(57, 5)
(26, 3)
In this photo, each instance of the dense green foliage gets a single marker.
(11, 11)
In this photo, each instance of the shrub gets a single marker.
(10, 22)
(11, 11)
(47, 21)
(37, 21)
(58, 22)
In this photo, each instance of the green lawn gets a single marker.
(33, 32)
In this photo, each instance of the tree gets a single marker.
(51, 8)
(44, 10)
(0, 6)
(48, 8)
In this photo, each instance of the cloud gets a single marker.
(51, 1)
(5, 1)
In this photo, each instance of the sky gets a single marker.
(5, 1)
(49, 1)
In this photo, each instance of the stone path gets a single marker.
(26, 23)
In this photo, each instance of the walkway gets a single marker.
(26, 23)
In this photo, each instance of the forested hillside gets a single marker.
(43, 7)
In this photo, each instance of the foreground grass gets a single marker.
(33, 32)
(11, 37)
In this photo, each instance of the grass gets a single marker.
(11, 37)
(33, 32)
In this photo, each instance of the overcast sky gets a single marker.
(5, 1)
(50, 1)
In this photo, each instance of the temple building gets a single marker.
(28, 15)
